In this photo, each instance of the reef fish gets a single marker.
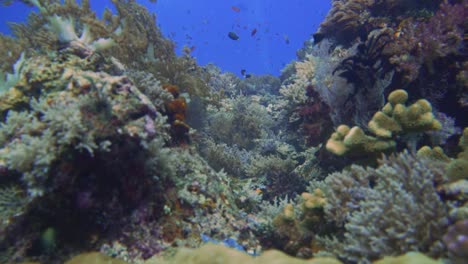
(233, 36)
(235, 9)
(254, 31)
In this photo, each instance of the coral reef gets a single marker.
(110, 141)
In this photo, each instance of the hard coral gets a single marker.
(414, 220)
(294, 228)
(394, 118)
(355, 142)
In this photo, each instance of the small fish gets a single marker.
(233, 36)
(243, 72)
(254, 31)
(235, 9)
(398, 30)
(248, 75)
(286, 39)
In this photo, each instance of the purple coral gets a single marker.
(443, 33)
(422, 42)
(456, 238)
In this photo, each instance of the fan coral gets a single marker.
(369, 65)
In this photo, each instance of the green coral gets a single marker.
(436, 153)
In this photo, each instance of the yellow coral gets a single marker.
(436, 153)
(211, 254)
(395, 117)
(398, 97)
(94, 258)
(314, 200)
(356, 142)
(288, 213)
(383, 126)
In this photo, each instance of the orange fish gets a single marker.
(254, 31)
(235, 9)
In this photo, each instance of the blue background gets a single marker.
(282, 27)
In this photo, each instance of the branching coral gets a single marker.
(389, 210)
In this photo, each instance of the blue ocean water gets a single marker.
(270, 32)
